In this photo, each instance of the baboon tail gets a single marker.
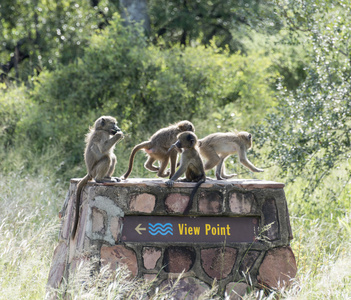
(143, 145)
(191, 199)
(80, 186)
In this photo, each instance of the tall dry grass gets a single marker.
(29, 228)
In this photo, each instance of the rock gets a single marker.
(218, 262)
(150, 257)
(116, 255)
(143, 203)
(236, 290)
(176, 203)
(58, 265)
(210, 202)
(277, 268)
(187, 288)
(179, 259)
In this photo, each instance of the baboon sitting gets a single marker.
(190, 163)
(99, 157)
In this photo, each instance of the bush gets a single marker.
(308, 134)
(145, 87)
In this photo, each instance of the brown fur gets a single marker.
(157, 149)
(190, 163)
(99, 157)
(216, 147)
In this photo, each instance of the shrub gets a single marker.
(144, 86)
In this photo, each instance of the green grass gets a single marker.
(29, 228)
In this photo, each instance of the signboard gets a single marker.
(189, 229)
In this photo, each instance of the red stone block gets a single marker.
(236, 290)
(277, 268)
(150, 257)
(142, 203)
(58, 265)
(188, 288)
(247, 261)
(218, 262)
(67, 220)
(176, 203)
(210, 202)
(150, 277)
(269, 210)
(241, 203)
(82, 224)
(116, 255)
(179, 259)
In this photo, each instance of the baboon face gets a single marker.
(108, 124)
(248, 140)
(114, 129)
(186, 140)
(186, 126)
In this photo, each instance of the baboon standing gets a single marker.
(157, 149)
(216, 147)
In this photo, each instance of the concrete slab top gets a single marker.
(242, 183)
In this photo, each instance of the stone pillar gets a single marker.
(234, 229)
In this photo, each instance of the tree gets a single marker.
(187, 22)
(41, 33)
(309, 131)
(135, 11)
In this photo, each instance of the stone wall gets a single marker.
(106, 231)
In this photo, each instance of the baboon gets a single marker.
(190, 163)
(157, 149)
(216, 147)
(99, 157)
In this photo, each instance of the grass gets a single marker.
(29, 228)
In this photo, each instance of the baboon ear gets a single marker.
(249, 136)
(103, 122)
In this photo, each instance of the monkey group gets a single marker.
(163, 146)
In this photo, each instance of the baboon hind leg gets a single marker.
(103, 170)
(221, 171)
(161, 172)
(111, 169)
(212, 158)
(149, 164)
(173, 157)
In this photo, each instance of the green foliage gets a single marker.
(14, 105)
(145, 87)
(46, 32)
(309, 132)
(302, 129)
(227, 22)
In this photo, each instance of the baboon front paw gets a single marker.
(169, 182)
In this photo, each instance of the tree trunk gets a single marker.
(135, 11)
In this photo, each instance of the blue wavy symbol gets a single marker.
(162, 229)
